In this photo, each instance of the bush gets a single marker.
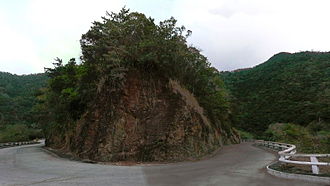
(319, 128)
(18, 132)
(245, 135)
(307, 139)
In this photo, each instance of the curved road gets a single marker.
(240, 164)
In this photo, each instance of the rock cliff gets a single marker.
(151, 119)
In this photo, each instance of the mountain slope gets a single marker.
(17, 96)
(286, 88)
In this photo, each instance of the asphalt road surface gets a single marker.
(240, 164)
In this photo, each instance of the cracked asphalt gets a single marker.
(241, 164)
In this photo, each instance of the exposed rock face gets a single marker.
(153, 119)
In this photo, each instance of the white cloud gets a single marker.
(232, 33)
(58, 25)
(47, 29)
(242, 33)
(18, 53)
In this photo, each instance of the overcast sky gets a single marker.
(231, 33)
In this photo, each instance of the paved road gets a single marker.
(240, 164)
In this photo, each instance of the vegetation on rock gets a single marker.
(140, 93)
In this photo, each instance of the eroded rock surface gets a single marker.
(152, 119)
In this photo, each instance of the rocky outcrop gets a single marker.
(152, 119)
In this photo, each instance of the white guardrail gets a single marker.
(12, 144)
(287, 151)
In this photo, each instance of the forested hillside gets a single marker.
(287, 88)
(17, 99)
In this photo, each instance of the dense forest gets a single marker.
(17, 105)
(288, 88)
